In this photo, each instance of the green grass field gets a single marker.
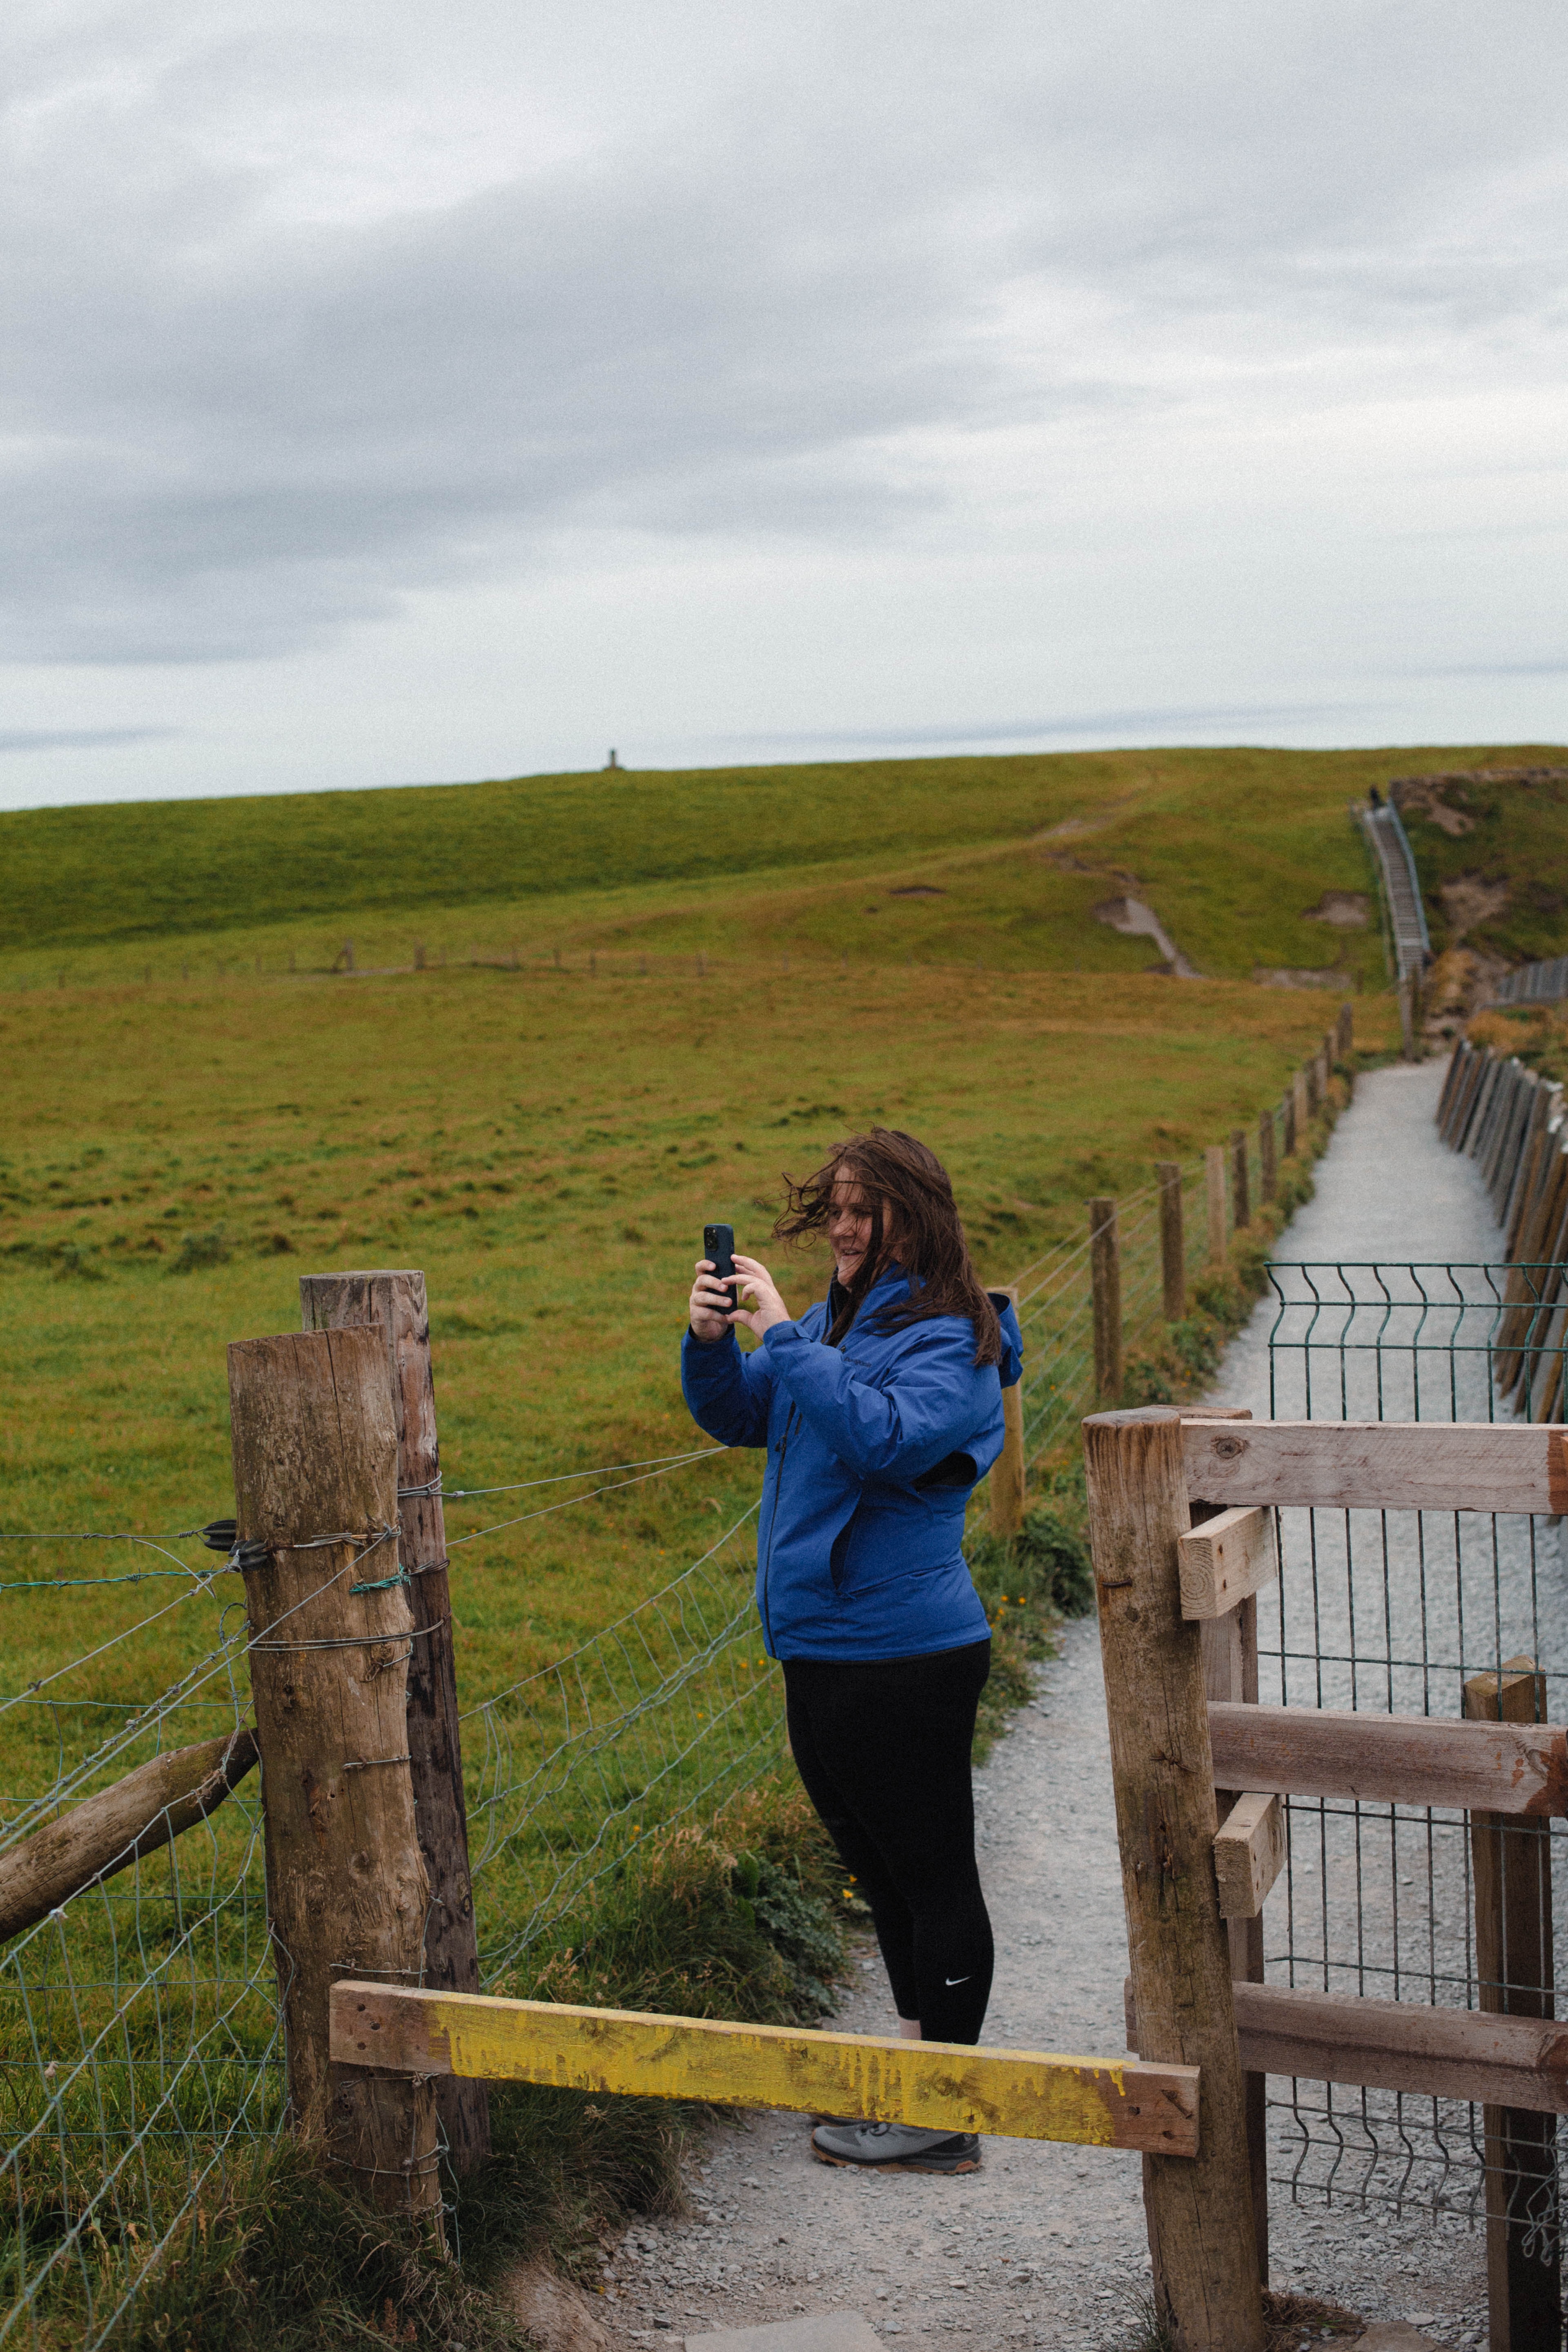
(1231, 847)
(741, 978)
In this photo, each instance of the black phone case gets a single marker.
(721, 1253)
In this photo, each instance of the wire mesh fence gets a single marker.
(1394, 1612)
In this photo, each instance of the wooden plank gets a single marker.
(111, 1829)
(942, 2085)
(1518, 1768)
(1511, 1866)
(1396, 2045)
(1249, 1853)
(1431, 1465)
(1227, 1558)
(1202, 2231)
(394, 1298)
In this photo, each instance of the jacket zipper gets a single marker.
(773, 1517)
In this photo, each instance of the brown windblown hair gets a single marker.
(911, 1199)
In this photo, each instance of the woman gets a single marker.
(879, 1409)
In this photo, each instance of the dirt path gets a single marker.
(1045, 2245)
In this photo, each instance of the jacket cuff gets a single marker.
(690, 1338)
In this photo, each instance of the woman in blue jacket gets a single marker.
(879, 1408)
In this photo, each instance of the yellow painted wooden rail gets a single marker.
(944, 2085)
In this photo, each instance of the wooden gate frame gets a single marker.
(1181, 1514)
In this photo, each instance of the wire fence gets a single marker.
(1394, 1612)
(141, 2052)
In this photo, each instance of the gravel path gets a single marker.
(1046, 2246)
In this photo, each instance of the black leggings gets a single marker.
(883, 1750)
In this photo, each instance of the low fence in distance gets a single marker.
(1533, 983)
(1089, 1304)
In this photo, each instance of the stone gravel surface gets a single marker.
(1045, 2245)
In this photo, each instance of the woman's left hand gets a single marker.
(766, 1307)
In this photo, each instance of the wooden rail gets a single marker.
(1397, 2045)
(944, 2085)
(1392, 1759)
(1432, 1465)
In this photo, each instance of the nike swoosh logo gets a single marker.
(953, 1980)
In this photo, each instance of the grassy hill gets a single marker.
(1490, 843)
(1230, 847)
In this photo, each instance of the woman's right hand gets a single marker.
(712, 1303)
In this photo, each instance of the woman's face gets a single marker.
(849, 1225)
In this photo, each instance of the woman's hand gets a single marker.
(712, 1303)
(767, 1307)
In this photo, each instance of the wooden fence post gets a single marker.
(1512, 1865)
(1007, 1477)
(315, 1480)
(1173, 1245)
(1345, 1034)
(396, 1302)
(1201, 2225)
(1105, 1282)
(1314, 1092)
(1267, 1165)
(1303, 1107)
(1407, 1020)
(1229, 1648)
(1214, 1188)
(1240, 1191)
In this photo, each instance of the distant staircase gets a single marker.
(1401, 889)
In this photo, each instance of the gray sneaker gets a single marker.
(896, 2147)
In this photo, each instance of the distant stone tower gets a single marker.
(612, 762)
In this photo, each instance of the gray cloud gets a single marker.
(80, 739)
(751, 290)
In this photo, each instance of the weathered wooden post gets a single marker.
(396, 1302)
(1007, 1477)
(1514, 1964)
(1201, 2224)
(1173, 1245)
(1303, 1107)
(1407, 1020)
(1314, 1092)
(1345, 1038)
(1105, 1284)
(1214, 1189)
(1240, 1190)
(315, 1482)
(1267, 1165)
(1230, 1650)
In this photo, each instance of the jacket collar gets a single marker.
(891, 1284)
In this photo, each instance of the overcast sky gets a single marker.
(400, 393)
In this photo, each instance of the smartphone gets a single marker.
(719, 1243)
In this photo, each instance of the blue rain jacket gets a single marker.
(874, 1448)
